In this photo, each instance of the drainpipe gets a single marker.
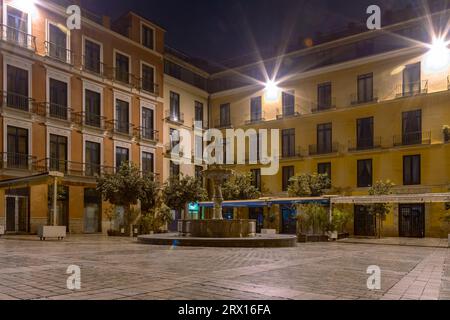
(55, 200)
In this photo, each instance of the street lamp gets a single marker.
(271, 91)
(438, 57)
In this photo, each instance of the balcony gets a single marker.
(317, 150)
(72, 168)
(123, 77)
(411, 89)
(199, 124)
(58, 53)
(176, 118)
(120, 127)
(146, 134)
(16, 161)
(86, 119)
(18, 38)
(412, 138)
(364, 144)
(222, 124)
(287, 112)
(16, 101)
(356, 100)
(148, 87)
(174, 149)
(52, 111)
(93, 66)
(291, 154)
(256, 118)
(323, 107)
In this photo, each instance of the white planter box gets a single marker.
(333, 235)
(58, 232)
(2, 230)
(268, 231)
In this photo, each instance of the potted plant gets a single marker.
(446, 131)
(340, 221)
(313, 223)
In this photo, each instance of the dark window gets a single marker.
(324, 96)
(147, 162)
(93, 111)
(122, 155)
(122, 116)
(92, 58)
(122, 68)
(148, 37)
(288, 142)
(288, 173)
(411, 170)
(58, 153)
(17, 26)
(288, 100)
(365, 88)
(198, 173)
(17, 147)
(256, 109)
(148, 78)
(364, 133)
(364, 173)
(57, 47)
(174, 105)
(324, 168)
(199, 114)
(174, 170)
(147, 123)
(58, 99)
(412, 127)
(411, 79)
(17, 87)
(324, 138)
(256, 178)
(225, 115)
(92, 154)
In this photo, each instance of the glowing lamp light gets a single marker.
(28, 6)
(438, 57)
(271, 90)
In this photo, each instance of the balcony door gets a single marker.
(17, 88)
(92, 158)
(412, 127)
(324, 138)
(17, 22)
(122, 116)
(57, 46)
(174, 106)
(411, 79)
(122, 155)
(256, 109)
(93, 111)
(288, 101)
(364, 133)
(17, 143)
(58, 153)
(148, 117)
(58, 99)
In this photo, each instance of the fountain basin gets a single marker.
(243, 228)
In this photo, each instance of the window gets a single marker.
(17, 146)
(324, 96)
(411, 170)
(324, 138)
(57, 43)
(174, 170)
(174, 106)
(92, 106)
(256, 109)
(148, 37)
(17, 30)
(58, 153)
(58, 99)
(199, 115)
(148, 78)
(92, 158)
(411, 79)
(198, 147)
(256, 178)
(122, 68)
(412, 127)
(225, 115)
(198, 173)
(147, 162)
(364, 133)
(122, 116)
(324, 168)
(365, 88)
(364, 173)
(148, 124)
(122, 155)
(288, 142)
(288, 101)
(17, 87)
(288, 173)
(92, 56)
(174, 139)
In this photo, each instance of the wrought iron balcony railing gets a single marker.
(294, 153)
(322, 149)
(411, 89)
(356, 99)
(222, 124)
(256, 118)
(52, 110)
(94, 66)
(61, 54)
(16, 101)
(146, 134)
(72, 168)
(174, 117)
(120, 127)
(412, 138)
(317, 107)
(148, 87)
(18, 37)
(17, 161)
(89, 120)
(174, 149)
(288, 112)
(199, 124)
(364, 144)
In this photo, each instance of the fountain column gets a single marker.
(217, 199)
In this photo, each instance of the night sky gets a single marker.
(218, 30)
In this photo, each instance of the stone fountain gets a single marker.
(217, 227)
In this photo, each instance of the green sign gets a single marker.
(193, 207)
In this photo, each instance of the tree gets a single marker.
(149, 193)
(312, 217)
(308, 185)
(380, 210)
(179, 191)
(123, 188)
(240, 187)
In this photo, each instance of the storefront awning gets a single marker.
(394, 198)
